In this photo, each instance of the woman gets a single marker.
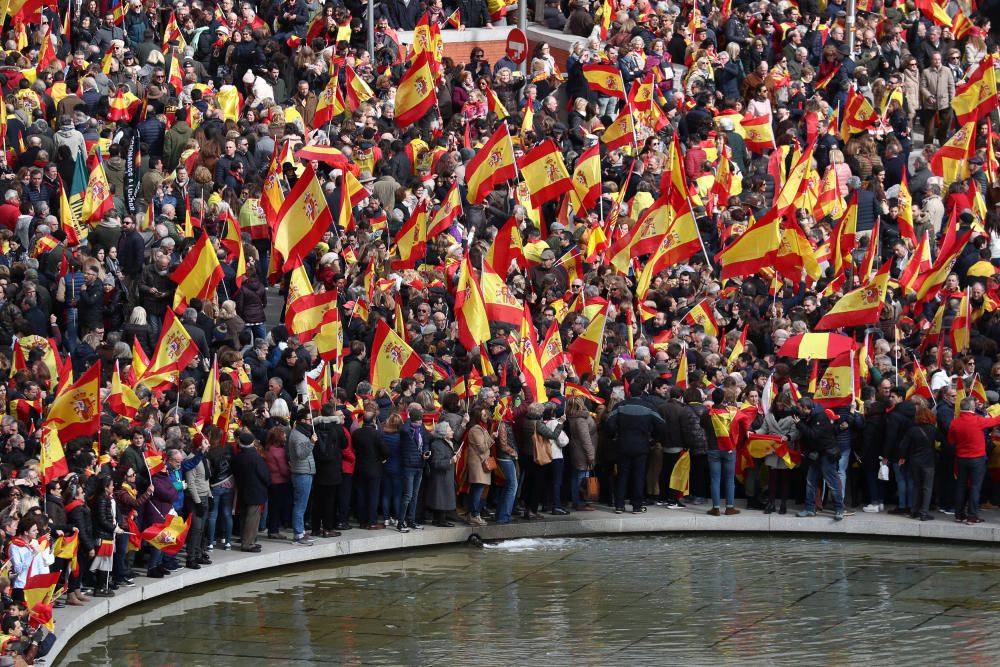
(465, 85)
(441, 482)
(252, 477)
(918, 451)
(223, 487)
(582, 448)
(106, 529)
(534, 474)
(507, 462)
(331, 439)
(480, 444)
(302, 466)
(137, 329)
(27, 556)
(779, 421)
(79, 517)
(556, 446)
(392, 471)
(726, 423)
(234, 324)
(130, 503)
(370, 453)
(279, 493)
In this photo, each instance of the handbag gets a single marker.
(489, 464)
(590, 488)
(543, 455)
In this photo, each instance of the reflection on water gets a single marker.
(687, 600)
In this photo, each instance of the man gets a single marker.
(301, 441)
(966, 433)
(633, 425)
(937, 89)
(252, 480)
(673, 413)
(822, 453)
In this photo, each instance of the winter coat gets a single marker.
(440, 484)
(277, 464)
(819, 435)
(159, 505)
(582, 441)
(674, 415)
(529, 426)
(478, 444)
(781, 426)
(103, 515)
(250, 300)
(80, 518)
(413, 442)
(198, 488)
(393, 445)
(917, 446)
(635, 426)
(695, 435)
(252, 476)
(369, 452)
(330, 441)
(898, 420)
(300, 451)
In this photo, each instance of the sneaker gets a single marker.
(126, 582)
(803, 514)
(416, 526)
(848, 512)
(402, 527)
(871, 509)
(678, 504)
(945, 510)
(211, 547)
(669, 504)
(974, 520)
(227, 546)
(926, 517)
(619, 510)
(661, 503)
(387, 522)
(303, 541)
(839, 516)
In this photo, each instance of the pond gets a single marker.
(668, 599)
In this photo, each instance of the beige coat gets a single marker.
(937, 88)
(911, 91)
(479, 443)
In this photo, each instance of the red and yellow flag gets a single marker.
(303, 219)
(977, 95)
(416, 94)
(198, 275)
(754, 250)
(605, 79)
(586, 179)
(545, 173)
(97, 199)
(861, 306)
(492, 164)
(392, 358)
(450, 208)
(169, 536)
(585, 351)
(621, 132)
(357, 90)
(174, 351)
(52, 459)
(470, 309)
(122, 398)
(759, 135)
(552, 355)
(951, 161)
(76, 410)
(411, 240)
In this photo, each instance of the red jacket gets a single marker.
(966, 432)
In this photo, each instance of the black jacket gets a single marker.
(819, 435)
(252, 476)
(104, 519)
(898, 421)
(330, 440)
(674, 416)
(917, 446)
(369, 452)
(634, 425)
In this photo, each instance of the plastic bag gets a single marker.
(883, 472)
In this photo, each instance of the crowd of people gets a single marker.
(195, 114)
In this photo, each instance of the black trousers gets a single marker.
(344, 499)
(923, 486)
(631, 478)
(324, 506)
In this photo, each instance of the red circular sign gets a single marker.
(517, 46)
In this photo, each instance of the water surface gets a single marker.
(678, 600)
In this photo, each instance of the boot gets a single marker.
(784, 507)
(769, 509)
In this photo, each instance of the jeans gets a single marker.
(505, 501)
(221, 507)
(301, 486)
(556, 485)
(827, 468)
(392, 495)
(631, 475)
(411, 487)
(973, 469)
(119, 569)
(257, 330)
(576, 479)
(722, 464)
(72, 329)
(904, 485)
(842, 465)
(476, 498)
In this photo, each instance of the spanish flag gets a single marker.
(621, 132)
(573, 389)
(392, 358)
(680, 477)
(272, 195)
(416, 94)
(859, 307)
(586, 179)
(525, 350)
(411, 240)
(303, 219)
(905, 217)
(232, 241)
(545, 173)
(446, 213)
(605, 79)
(154, 462)
(122, 398)
(470, 309)
(585, 351)
(977, 95)
(76, 410)
(960, 325)
(829, 201)
(931, 282)
(427, 40)
(859, 115)
(39, 592)
(75, 232)
(174, 351)
(739, 348)
(795, 255)
(702, 315)
(169, 536)
(304, 316)
(645, 236)
(951, 161)
(552, 355)
(937, 13)
(501, 304)
(357, 90)
(198, 275)
(754, 250)
(507, 247)
(330, 103)
(97, 200)
(174, 79)
(836, 386)
(330, 339)
(759, 135)
(352, 193)
(918, 265)
(67, 547)
(52, 459)
(492, 164)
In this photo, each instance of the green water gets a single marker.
(665, 600)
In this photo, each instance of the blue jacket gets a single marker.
(413, 442)
(393, 463)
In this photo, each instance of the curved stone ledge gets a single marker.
(71, 621)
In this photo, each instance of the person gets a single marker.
(370, 454)
(302, 467)
(25, 556)
(532, 427)
(279, 487)
(633, 425)
(966, 432)
(918, 448)
(582, 449)
(478, 475)
(222, 488)
(779, 421)
(392, 471)
(441, 481)
(252, 480)
(414, 445)
(727, 423)
(106, 529)
(331, 440)
(818, 435)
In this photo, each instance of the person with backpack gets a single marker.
(818, 435)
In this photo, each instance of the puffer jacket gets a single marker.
(103, 515)
(412, 454)
(198, 488)
(696, 435)
(330, 441)
(300, 451)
